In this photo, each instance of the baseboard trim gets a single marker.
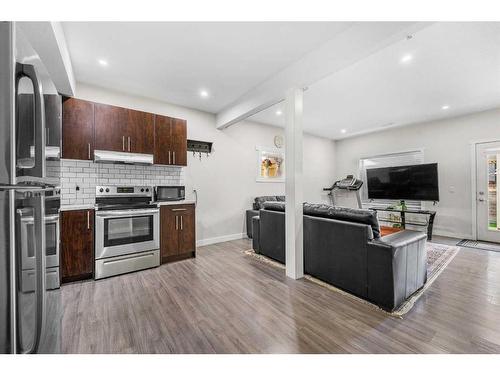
(446, 233)
(212, 240)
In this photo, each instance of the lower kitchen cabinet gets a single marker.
(177, 232)
(77, 245)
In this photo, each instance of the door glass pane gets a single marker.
(126, 230)
(493, 193)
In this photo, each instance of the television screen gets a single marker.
(410, 182)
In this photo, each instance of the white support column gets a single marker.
(293, 184)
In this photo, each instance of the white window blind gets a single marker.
(388, 160)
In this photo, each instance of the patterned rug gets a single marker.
(438, 257)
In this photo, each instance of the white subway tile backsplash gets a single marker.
(87, 175)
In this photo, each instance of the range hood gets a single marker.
(101, 156)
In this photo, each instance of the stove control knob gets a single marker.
(142, 190)
(101, 190)
(147, 190)
(107, 190)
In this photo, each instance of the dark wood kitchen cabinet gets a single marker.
(170, 141)
(140, 132)
(77, 245)
(177, 232)
(91, 126)
(78, 129)
(179, 142)
(110, 124)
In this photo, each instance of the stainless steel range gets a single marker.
(127, 234)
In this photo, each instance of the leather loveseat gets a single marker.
(343, 247)
(257, 205)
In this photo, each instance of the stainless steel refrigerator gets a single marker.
(30, 123)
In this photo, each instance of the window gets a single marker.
(388, 160)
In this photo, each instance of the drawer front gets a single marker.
(126, 263)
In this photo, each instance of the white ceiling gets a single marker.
(173, 61)
(454, 64)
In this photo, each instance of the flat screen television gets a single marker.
(409, 182)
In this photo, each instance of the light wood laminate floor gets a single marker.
(227, 302)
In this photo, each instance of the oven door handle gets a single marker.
(127, 212)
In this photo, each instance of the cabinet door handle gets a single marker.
(88, 220)
(123, 143)
(181, 222)
(129, 143)
(176, 222)
(169, 162)
(179, 209)
(89, 150)
(173, 152)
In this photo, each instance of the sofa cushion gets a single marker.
(259, 201)
(354, 215)
(274, 206)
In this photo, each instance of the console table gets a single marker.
(430, 221)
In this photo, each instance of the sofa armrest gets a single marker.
(400, 239)
(397, 267)
(256, 233)
(249, 215)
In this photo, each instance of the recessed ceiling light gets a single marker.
(445, 107)
(343, 131)
(102, 62)
(406, 58)
(278, 112)
(204, 93)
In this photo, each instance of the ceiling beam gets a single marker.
(48, 40)
(350, 46)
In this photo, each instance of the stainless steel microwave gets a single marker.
(170, 193)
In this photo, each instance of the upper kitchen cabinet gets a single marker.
(78, 129)
(140, 132)
(111, 128)
(179, 142)
(170, 141)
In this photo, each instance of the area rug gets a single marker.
(438, 257)
(482, 245)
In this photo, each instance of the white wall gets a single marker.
(225, 181)
(447, 142)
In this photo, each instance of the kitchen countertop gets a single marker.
(73, 207)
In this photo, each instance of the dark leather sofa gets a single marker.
(343, 247)
(257, 205)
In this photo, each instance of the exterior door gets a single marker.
(487, 191)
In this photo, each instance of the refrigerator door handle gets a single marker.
(40, 271)
(26, 70)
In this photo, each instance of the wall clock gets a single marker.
(279, 141)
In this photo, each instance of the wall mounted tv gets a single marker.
(409, 182)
